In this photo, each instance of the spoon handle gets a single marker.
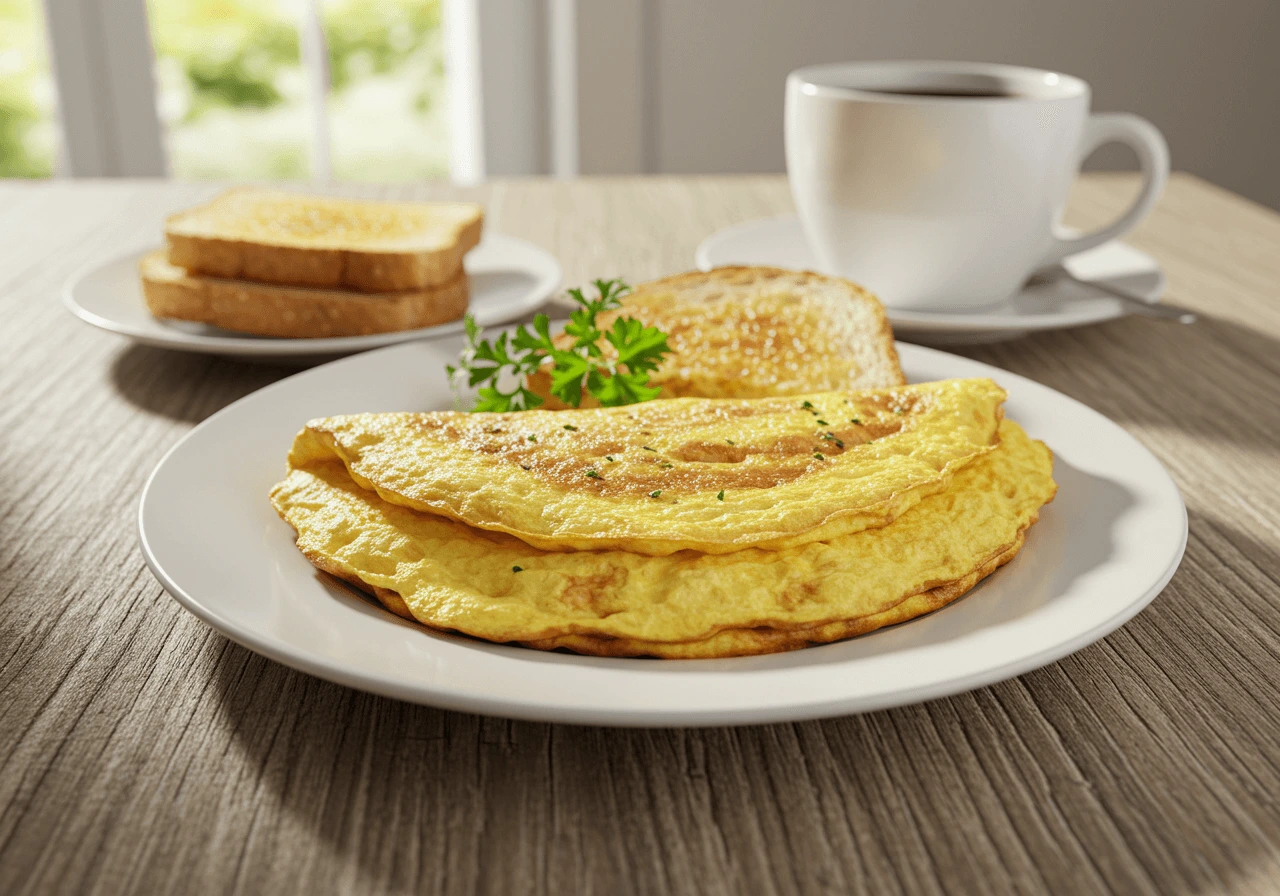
(1137, 305)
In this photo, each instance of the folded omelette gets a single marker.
(796, 529)
(711, 475)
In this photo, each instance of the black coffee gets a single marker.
(974, 93)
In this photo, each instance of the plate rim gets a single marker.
(917, 321)
(279, 347)
(429, 694)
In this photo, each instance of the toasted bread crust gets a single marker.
(294, 312)
(358, 270)
(880, 333)
(246, 234)
(854, 327)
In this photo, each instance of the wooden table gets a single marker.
(140, 751)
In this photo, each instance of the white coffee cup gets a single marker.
(941, 184)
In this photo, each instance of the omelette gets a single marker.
(448, 574)
(715, 476)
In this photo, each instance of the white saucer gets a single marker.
(1102, 550)
(780, 242)
(509, 278)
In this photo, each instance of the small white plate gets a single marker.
(509, 278)
(1101, 551)
(780, 242)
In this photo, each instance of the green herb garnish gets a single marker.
(655, 494)
(609, 458)
(517, 569)
(592, 474)
(731, 441)
(822, 422)
(621, 380)
(856, 421)
(720, 497)
(819, 455)
(808, 406)
(647, 448)
(665, 465)
(571, 428)
(532, 437)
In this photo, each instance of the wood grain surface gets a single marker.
(141, 752)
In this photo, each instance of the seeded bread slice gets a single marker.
(293, 312)
(292, 240)
(752, 332)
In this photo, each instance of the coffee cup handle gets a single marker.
(1153, 160)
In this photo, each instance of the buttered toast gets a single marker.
(310, 241)
(753, 332)
(294, 312)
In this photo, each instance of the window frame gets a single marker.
(526, 79)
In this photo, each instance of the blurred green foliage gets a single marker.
(17, 117)
(26, 126)
(229, 71)
(233, 52)
(376, 36)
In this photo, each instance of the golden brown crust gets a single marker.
(707, 354)
(294, 312)
(361, 269)
(763, 639)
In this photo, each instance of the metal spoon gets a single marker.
(1133, 303)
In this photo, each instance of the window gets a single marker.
(244, 89)
(28, 118)
(387, 115)
(232, 92)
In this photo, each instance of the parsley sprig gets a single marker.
(613, 381)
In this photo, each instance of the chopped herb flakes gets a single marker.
(856, 421)
(808, 406)
(822, 422)
(731, 441)
(720, 497)
(517, 569)
(819, 455)
(570, 427)
(592, 474)
(655, 494)
(647, 448)
(609, 458)
(665, 465)
(532, 437)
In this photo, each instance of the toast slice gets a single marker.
(290, 311)
(293, 240)
(753, 332)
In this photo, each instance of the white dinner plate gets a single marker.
(1101, 551)
(780, 242)
(509, 278)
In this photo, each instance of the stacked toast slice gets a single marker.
(281, 264)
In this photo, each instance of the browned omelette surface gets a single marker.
(689, 474)
(453, 576)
